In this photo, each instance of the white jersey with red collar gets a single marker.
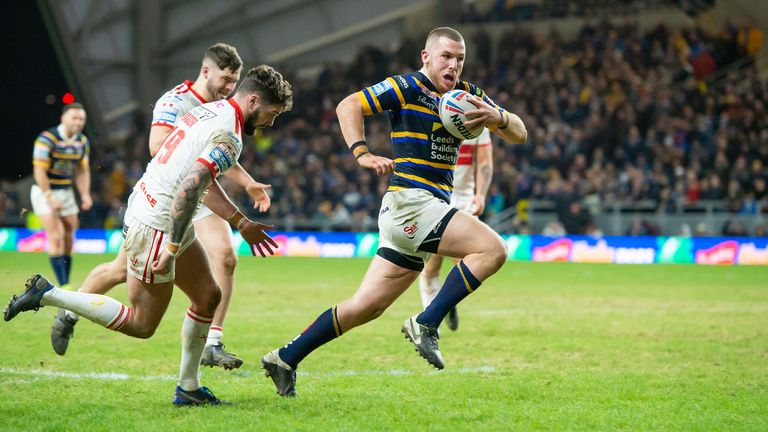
(176, 102)
(209, 134)
(464, 175)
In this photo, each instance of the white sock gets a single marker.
(100, 309)
(215, 335)
(428, 289)
(193, 335)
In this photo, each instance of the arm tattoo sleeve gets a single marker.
(185, 202)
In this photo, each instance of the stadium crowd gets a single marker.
(614, 115)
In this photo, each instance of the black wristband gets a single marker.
(361, 155)
(356, 145)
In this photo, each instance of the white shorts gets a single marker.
(406, 217)
(142, 246)
(65, 196)
(463, 202)
(202, 213)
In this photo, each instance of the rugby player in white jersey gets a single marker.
(160, 241)
(218, 75)
(471, 180)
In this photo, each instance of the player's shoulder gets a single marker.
(50, 135)
(470, 88)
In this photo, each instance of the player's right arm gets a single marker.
(41, 161)
(157, 135)
(384, 96)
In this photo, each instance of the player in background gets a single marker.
(415, 218)
(60, 159)
(471, 180)
(160, 242)
(218, 76)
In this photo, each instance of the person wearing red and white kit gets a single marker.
(219, 72)
(160, 242)
(471, 180)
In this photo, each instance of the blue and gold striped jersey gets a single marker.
(425, 153)
(60, 156)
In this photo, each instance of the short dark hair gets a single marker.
(448, 32)
(265, 81)
(225, 56)
(74, 105)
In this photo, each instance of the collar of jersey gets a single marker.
(239, 113)
(197, 95)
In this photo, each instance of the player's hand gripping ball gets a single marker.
(453, 105)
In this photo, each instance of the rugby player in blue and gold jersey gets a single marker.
(60, 163)
(415, 218)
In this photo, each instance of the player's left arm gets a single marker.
(508, 126)
(483, 176)
(83, 180)
(256, 190)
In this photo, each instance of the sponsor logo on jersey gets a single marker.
(402, 80)
(203, 113)
(168, 115)
(429, 103)
(381, 87)
(189, 119)
(222, 157)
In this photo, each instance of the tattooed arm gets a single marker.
(182, 210)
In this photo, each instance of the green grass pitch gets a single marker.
(540, 347)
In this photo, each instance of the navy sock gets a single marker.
(459, 284)
(57, 262)
(323, 330)
(67, 268)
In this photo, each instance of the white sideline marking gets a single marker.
(39, 374)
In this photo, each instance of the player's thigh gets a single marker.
(383, 283)
(150, 301)
(194, 277)
(70, 223)
(215, 235)
(466, 235)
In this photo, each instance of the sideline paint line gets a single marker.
(115, 376)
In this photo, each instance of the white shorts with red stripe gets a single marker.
(142, 247)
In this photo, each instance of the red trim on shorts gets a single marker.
(209, 166)
(238, 116)
(149, 256)
(157, 252)
(189, 86)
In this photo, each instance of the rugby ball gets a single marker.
(453, 105)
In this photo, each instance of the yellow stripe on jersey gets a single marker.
(426, 162)
(420, 109)
(60, 181)
(423, 180)
(41, 163)
(466, 86)
(397, 90)
(66, 155)
(396, 188)
(57, 172)
(364, 102)
(424, 87)
(375, 100)
(410, 135)
(50, 136)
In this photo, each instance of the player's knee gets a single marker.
(55, 237)
(213, 299)
(228, 260)
(144, 331)
(498, 254)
